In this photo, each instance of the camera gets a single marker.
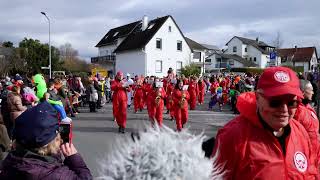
(65, 132)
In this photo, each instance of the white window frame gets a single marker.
(157, 69)
(178, 71)
(178, 41)
(159, 39)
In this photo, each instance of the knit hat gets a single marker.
(37, 126)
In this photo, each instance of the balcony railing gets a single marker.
(102, 59)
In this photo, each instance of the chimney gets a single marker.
(144, 23)
(257, 39)
(296, 48)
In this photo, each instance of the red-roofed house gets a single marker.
(305, 57)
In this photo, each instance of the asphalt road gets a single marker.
(95, 133)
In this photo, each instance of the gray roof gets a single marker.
(194, 45)
(213, 47)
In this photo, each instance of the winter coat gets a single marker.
(15, 105)
(248, 150)
(4, 138)
(306, 115)
(24, 164)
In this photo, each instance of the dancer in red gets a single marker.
(138, 100)
(202, 90)
(193, 91)
(157, 104)
(120, 101)
(169, 104)
(148, 91)
(180, 100)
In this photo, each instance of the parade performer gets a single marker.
(201, 87)
(193, 91)
(138, 98)
(120, 88)
(41, 89)
(157, 104)
(169, 104)
(148, 91)
(180, 99)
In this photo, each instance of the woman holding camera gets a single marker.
(38, 148)
(180, 97)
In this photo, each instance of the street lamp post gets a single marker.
(49, 45)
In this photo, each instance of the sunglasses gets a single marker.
(276, 103)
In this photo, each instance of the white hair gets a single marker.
(160, 153)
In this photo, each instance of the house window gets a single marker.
(245, 49)
(158, 66)
(254, 59)
(234, 48)
(208, 60)
(159, 43)
(231, 62)
(179, 45)
(250, 58)
(169, 29)
(179, 67)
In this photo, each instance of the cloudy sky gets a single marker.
(84, 22)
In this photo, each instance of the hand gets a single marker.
(68, 149)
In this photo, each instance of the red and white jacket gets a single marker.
(247, 150)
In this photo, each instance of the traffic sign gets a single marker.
(273, 55)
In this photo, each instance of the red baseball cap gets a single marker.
(277, 81)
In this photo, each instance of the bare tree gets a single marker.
(278, 41)
(4, 64)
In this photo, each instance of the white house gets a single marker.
(198, 55)
(218, 60)
(252, 50)
(145, 47)
(304, 57)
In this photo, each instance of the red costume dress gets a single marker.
(180, 100)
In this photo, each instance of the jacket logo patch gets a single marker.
(282, 77)
(300, 161)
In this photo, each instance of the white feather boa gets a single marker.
(160, 154)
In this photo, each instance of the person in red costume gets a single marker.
(264, 141)
(138, 99)
(193, 91)
(169, 104)
(180, 104)
(157, 103)
(306, 115)
(148, 91)
(202, 90)
(120, 88)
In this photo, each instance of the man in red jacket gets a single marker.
(264, 141)
(119, 102)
